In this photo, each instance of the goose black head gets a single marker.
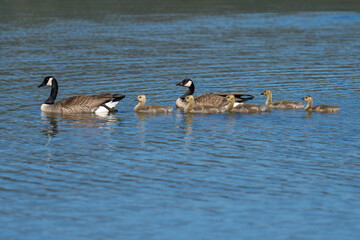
(48, 81)
(187, 82)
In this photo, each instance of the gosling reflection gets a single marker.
(185, 126)
(189, 118)
(144, 116)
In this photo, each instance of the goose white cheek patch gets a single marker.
(49, 83)
(188, 84)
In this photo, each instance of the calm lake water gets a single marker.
(278, 175)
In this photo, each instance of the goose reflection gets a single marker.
(77, 120)
(51, 129)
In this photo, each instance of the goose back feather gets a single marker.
(192, 107)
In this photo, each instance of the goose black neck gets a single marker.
(53, 93)
(189, 92)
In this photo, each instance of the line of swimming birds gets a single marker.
(206, 103)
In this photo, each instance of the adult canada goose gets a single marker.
(191, 107)
(318, 108)
(141, 107)
(280, 104)
(100, 103)
(208, 99)
(243, 108)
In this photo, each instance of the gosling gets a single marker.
(151, 108)
(280, 104)
(318, 108)
(192, 108)
(242, 108)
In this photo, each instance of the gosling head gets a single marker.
(230, 98)
(141, 98)
(190, 99)
(266, 92)
(187, 82)
(307, 98)
(48, 81)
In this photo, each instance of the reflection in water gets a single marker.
(141, 127)
(144, 125)
(51, 129)
(308, 113)
(53, 122)
(80, 120)
(189, 118)
(143, 116)
(186, 120)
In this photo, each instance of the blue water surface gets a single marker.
(276, 175)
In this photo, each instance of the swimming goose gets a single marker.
(101, 103)
(191, 107)
(318, 108)
(280, 104)
(208, 99)
(243, 108)
(141, 107)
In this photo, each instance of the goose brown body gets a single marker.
(192, 107)
(79, 103)
(283, 104)
(208, 99)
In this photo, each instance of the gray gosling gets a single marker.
(191, 107)
(318, 108)
(208, 99)
(242, 108)
(100, 104)
(151, 108)
(280, 104)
